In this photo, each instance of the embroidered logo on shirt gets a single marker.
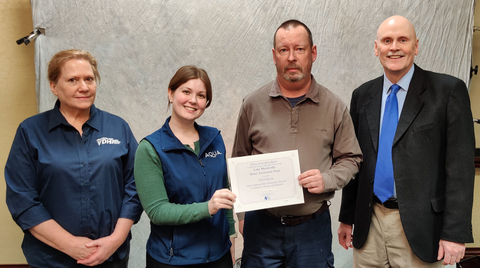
(105, 140)
(212, 154)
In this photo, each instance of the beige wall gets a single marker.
(17, 102)
(475, 102)
(476, 209)
(475, 82)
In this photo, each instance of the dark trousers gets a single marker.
(268, 243)
(223, 262)
(108, 264)
(114, 264)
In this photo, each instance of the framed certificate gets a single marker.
(265, 180)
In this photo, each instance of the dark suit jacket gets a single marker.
(433, 161)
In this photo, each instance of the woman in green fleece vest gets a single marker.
(181, 178)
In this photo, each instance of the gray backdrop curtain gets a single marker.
(140, 44)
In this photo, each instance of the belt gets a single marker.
(391, 204)
(296, 220)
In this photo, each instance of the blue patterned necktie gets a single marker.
(384, 182)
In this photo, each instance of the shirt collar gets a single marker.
(404, 82)
(57, 118)
(312, 92)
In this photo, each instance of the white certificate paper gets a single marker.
(265, 180)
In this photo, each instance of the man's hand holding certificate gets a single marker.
(265, 180)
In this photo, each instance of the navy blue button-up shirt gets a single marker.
(84, 183)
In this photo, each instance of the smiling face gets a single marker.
(188, 101)
(293, 55)
(76, 86)
(396, 46)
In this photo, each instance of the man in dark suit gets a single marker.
(411, 202)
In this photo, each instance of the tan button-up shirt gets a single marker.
(319, 127)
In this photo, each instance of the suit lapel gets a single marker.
(372, 110)
(413, 103)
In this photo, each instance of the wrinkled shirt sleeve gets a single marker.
(21, 179)
(131, 207)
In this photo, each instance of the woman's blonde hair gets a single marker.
(58, 60)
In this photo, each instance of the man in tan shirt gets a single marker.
(295, 112)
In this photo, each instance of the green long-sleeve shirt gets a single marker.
(153, 194)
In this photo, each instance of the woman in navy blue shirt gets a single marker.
(69, 175)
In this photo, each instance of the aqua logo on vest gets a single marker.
(106, 140)
(212, 154)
